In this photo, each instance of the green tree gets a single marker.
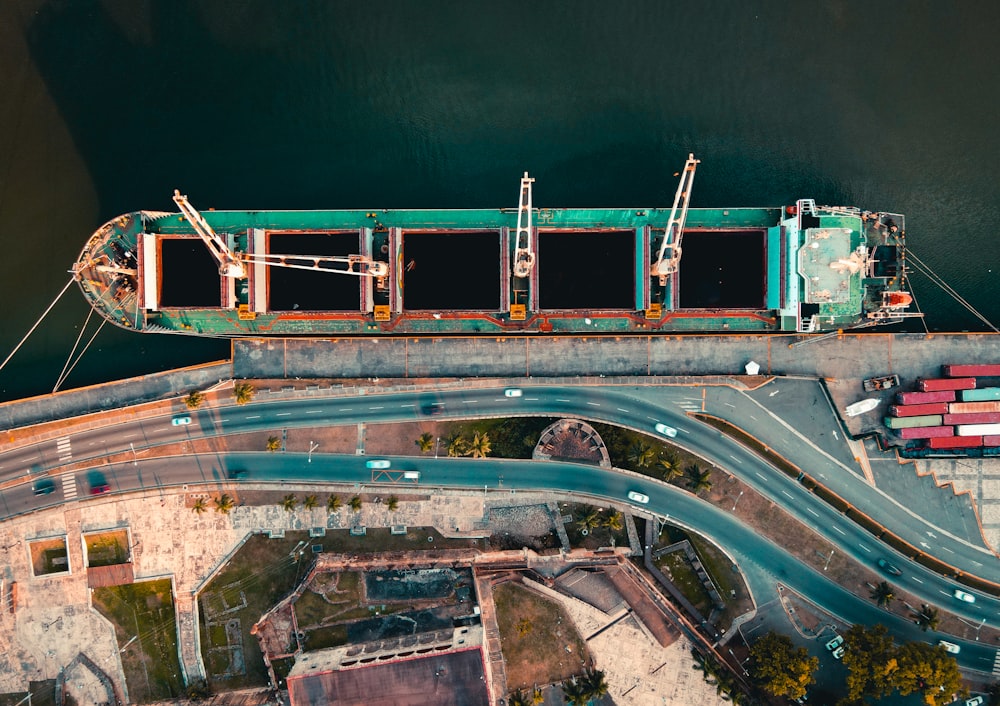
(614, 521)
(355, 503)
(194, 399)
(537, 697)
(641, 454)
(425, 442)
(588, 518)
(883, 594)
(457, 446)
(244, 392)
(671, 466)
(392, 504)
(198, 690)
(310, 502)
(200, 506)
(524, 626)
(574, 692)
(289, 502)
(780, 668)
(927, 618)
(480, 446)
(929, 670)
(870, 658)
(594, 683)
(224, 504)
(518, 698)
(333, 503)
(273, 444)
(699, 479)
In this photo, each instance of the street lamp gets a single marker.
(312, 447)
(737, 500)
(827, 565)
(135, 461)
(436, 446)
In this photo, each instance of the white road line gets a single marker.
(839, 530)
(69, 486)
(221, 421)
(314, 411)
(764, 478)
(559, 399)
(916, 579)
(470, 401)
(787, 494)
(752, 417)
(812, 512)
(345, 409)
(376, 408)
(283, 414)
(531, 399)
(407, 405)
(653, 418)
(865, 548)
(947, 549)
(622, 409)
(253, 416)
(943, 593)
(594, 404)
(128, 436)
(737, 460)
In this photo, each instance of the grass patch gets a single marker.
(682, 575)
(512, 437)
(332, 636)
(107, 548)
(145, 608)
(539, 642)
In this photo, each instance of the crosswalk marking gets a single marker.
(69, 486)
(63, 449)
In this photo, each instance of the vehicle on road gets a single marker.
(237, 474)
(950, 647)
(432, 409)
(638, 497)
(99, 489)
(963, 596)
(45, 486)
(839, 652)
(411, 475)
(665, 430)
(512, 392)
(889, 568)
(836, 642)
(975, 701)
(180, 421)
(378, 463)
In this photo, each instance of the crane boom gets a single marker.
(234, 264)
(668, 262)
(524, 258)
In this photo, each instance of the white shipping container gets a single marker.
(977, 429)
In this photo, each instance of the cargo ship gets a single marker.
(798, 268)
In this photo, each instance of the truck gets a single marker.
(877, 384)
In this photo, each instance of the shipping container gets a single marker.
(977, 429)
(970, 407)
(934, 384)
(983, 394)
(917, 410)
(973, 418)
(926, 432)
(955, 442)
(992, 440)
(930, 420)
(961, 371)
(925, 397)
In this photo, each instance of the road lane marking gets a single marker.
(530, 399)
(787, 494)
(622, 409)
(865, 548)
(283, 414)
(407, 405)
(345, 409)
(63, 449)
(594, 404)
(69, 486)
(653, 418)
(314, 411)
(470, 401)
(916, 579)
(947, 549)
(376, 408)
(839, 530)
(752, 417)
(253, 416)
(559, 399)
(736, 459)
(763, 478)
(812, 512)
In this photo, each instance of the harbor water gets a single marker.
(251, 104)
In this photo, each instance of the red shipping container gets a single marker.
(973, 407)
(973, 418)
(917, 410)
(934, 384)
(991, 441)
(925, 397)
(925, 432)
(961, 371)
(955, 442)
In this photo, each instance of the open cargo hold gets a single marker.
(925, 397)
(961, 371)
(955, 442)
(926, 432)
(977, 429)
(973, 418)
(968, 407)
(933, 384)
(917, 410)
(983, 394)
(929, 420)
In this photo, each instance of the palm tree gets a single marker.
(333, 503)
(594, 683)
(457, 446)
(883, 594)
(574, 692)
(310, 502)
(273, 444)
(355, 503)
(590, 518)
(194, 399)
(927, 618)
(243, 392)
(200, 506)
(289, 502)
(425, 442)
(224, 504)
(537, 697)
(524, 626)
(699, 479)
(671, 467)
(480, 446)
(641, 454)
(614, 521)
(518, 698)
(392, 504)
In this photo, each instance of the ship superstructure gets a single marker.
(800, 268)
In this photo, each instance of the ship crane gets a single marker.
(234, 264)
(524, 258)
(669, 257)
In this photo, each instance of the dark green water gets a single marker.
(257, 104)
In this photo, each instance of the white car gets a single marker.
(836, 642)
(975, 701)
(950, 647)
(378, 463)
(963, 596)
(665, 430)
(180, 421)
(512, 392)
(638, 497)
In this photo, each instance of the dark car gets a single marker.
(237, 474)
(432, 409)
(889, 568)
(45, 486)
